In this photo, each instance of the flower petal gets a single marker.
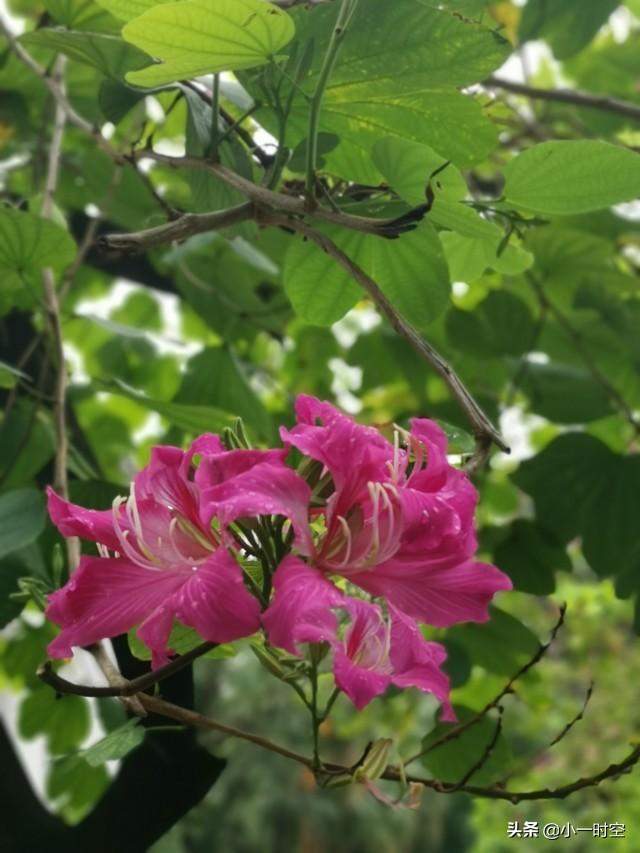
(416, 662)
(212, 599)
(301, 610)
(438, 592)
(268, 488)
(74, 520)
(104, 598)
(360, 684)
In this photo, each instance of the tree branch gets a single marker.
(483, 429)
(124, 688)
(179, 229)
(568, 96)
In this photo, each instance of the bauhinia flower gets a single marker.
(158, 562)
(361, 515)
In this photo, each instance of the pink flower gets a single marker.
(369, 651)
(399, 522)
(165, 564)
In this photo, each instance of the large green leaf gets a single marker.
(572, 177)
(408, 166)
(197, 37)
(412, 272)
(112, 56)
(29, 243)
(531, 556)
(581, 488)
(216, 377)
(565, 394)
(191, 418)
(468, 257)
(80, 15)
(397, 76)
(21, 519)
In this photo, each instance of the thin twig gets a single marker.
(482, 427)
(568, 96)
(565, 731)
(456, 731)
(486, 753)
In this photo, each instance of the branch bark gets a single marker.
(482, 427)
(574, 97)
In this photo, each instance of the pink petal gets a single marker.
(74, 520)
(301, 610)
(104, 598)
(354, 454)
(416, 662)
(217, 468)
(212, 599)
(438, 592)
(265, 489)
(360, 684)
(435, 443)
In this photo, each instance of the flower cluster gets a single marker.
(366, 539)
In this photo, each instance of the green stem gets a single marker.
(347, 9)
(315, 717)
(215, 116)
(330, 704)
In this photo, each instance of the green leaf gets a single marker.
(181, 640)
(193, 419)
(581, 488)
(501, 325)
(116, 100)
(408, 166)
(126, 10)
(568, 25)
(197, 37)
(80, 15)
(531, 556)
(75, 787)
(501, 645)
(564, 394)
(320, 291)
(65, 721)
(22, 519)
(112, 56)
(411, 271)
(572, 177)
(215, 376)
(117, 744)
(29, 243)
(451, 761)
(469, 257)
(397, 76)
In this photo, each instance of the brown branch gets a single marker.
(568, 96)
(123, 688)
(483, 429)
(179, 229)
(156, 705)
(590, 363)
(456, 731)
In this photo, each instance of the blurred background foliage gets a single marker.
(174, 342)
